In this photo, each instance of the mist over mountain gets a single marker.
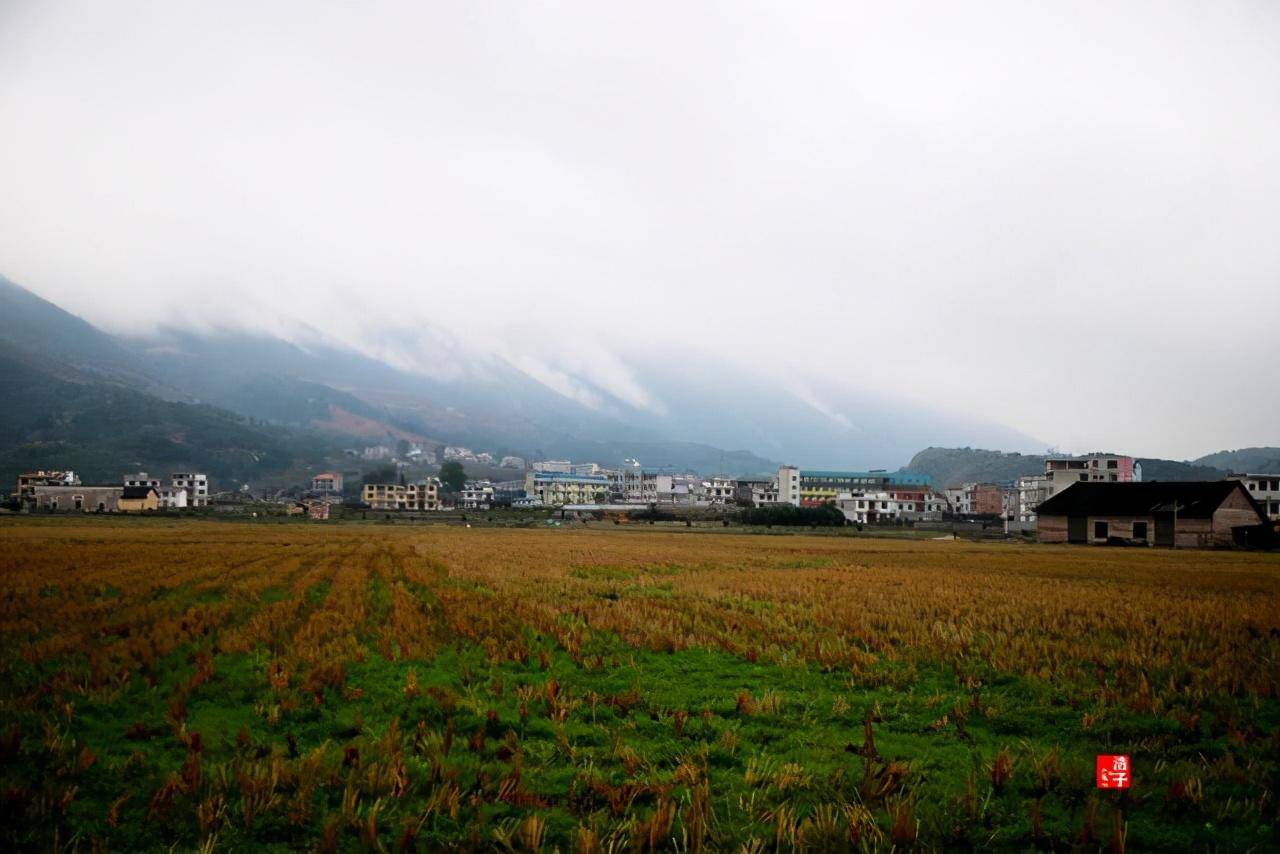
(685, 410)
(246, 404)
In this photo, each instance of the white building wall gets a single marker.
(789, 485)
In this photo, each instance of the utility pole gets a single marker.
(1176, 508)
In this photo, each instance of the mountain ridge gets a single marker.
(953, 466)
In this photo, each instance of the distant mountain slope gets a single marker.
(489, 406)
(60, 418)
(953, 466)
(308, 388)
(30, 324)
(1259, 460)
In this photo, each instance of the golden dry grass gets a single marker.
(95, 609)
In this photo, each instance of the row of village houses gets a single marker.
(63, 490)
(1096, 498)
(865, 497)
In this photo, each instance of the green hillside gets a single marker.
(61, 418)
(953, 466)
(1257, 460)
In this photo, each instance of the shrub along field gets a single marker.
(343, 687)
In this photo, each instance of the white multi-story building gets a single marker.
(171, 499)
(477, 495)
(174, 497)
(958, 499)
(555, 489)
(720, 491)
(1264, 489)
(1032, 489)
(511, 462)
(1062, 472)
(555, 466)
(872, 507)
(789, 485)
(196, 485)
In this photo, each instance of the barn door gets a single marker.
(1164, 530)
(1077, 529)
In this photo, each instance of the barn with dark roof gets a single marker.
(1185, 514)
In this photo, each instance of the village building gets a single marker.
(1062, 472)
(985, 499)
(172, 499)
(1265, 489)
(85, 498)
(195, 484)
(979, 499)
(720, 491)
(327, 483)
(756, 491)
(507, 492)
(175, 497)
(957, 498)
(556, 489)
(1190, 514)
(402, 496)
(477, 495)
(869, 508)
(135, 499)
(811, 488)
(1032, 489)
(28, 481)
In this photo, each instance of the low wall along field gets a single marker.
(347, 687)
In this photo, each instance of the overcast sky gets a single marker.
(1061, 216)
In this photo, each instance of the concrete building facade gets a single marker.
(424, 495)
(83, 498)
(1032, 489)
(28, 481)
(477, 495)
(1264, 489)
(812, 487)
(556, 489)
(197, 486)
(328, 483)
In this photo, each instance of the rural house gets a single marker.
(137, 498)
(83, 497)
(1186, 514)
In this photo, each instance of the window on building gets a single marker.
(1139, 530)
(1101, 530)
(1113, 464)
(1084, 476)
